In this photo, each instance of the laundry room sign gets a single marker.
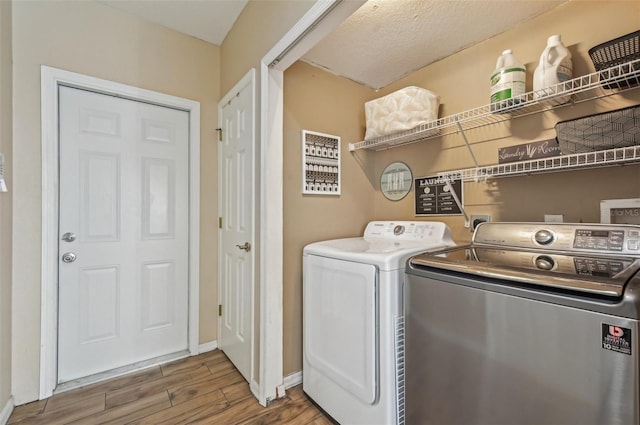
(527, 151)
(434, 197)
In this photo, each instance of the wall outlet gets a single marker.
(554, 218)
(477, 219)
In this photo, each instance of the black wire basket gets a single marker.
(617, 54)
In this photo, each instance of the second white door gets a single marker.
(236, 194)
(124, 232)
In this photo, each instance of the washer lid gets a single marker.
(603, 275)
(387, 255)
(386, 244)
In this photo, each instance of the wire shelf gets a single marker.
(603, 158)
(617, 79)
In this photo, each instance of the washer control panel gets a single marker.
(600, 240)
(578, 237)
(419, 231)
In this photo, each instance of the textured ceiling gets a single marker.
(388, 39)
(379, 44)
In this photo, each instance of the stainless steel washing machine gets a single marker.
(532, 323)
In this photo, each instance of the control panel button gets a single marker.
(543, 237)
(545, 262)
(633, 244)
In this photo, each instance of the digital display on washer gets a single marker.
(601, 240)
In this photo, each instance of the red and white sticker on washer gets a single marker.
(616, 338)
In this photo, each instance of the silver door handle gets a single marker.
(69, 237)
(68, 257)
(245, 247)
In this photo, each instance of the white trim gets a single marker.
(293, 379)
(311, 28)
(208, 346)
(51, 78)
(248, 80)
(6, 411)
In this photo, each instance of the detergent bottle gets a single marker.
(507, 82)
(554, 68)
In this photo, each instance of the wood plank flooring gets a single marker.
(204, 389)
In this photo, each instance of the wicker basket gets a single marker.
(617, 52)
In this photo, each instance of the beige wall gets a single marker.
(318, 101)
(96, 40)
(462, 81)
(5, 203)
(259, 27)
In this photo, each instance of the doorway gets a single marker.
(236, 215)
(53, 80)
(123, 232)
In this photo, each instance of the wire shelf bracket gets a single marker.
(616, 79)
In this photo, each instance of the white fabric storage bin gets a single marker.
(401, 110)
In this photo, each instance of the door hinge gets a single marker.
(219, 130)
(219, 222)
(219, 309)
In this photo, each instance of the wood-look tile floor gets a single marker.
(204, 389)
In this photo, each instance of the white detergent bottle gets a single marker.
(507, 82)
(554, 68)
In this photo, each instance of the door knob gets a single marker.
(245, 247)
(69, 237)
(68, 257)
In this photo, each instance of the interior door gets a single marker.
(123, 270)
(236, 192)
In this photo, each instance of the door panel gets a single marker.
(236, 175)
(124, 194)
(341, 322)
(99, 304)
(100, 196)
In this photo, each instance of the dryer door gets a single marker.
(340, 322)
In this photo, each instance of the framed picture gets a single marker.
(433, 196)
(396, 181)
(320, 163)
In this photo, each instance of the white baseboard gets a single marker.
(6, 411)
(255, 390)
(293, 379)
(207, 346)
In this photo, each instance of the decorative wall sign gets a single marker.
(527, 151)
(433, 197)
(320, 163)
(396, 181)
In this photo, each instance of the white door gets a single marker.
(123, 270)
(236, 194)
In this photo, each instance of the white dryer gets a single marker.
(353, 332)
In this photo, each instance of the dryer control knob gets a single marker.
(544, 262)
(543, 237)
(398, 230)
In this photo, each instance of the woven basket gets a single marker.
(617, 52)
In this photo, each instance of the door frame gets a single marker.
(321, 19)
(248, 80)
(50, 79)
